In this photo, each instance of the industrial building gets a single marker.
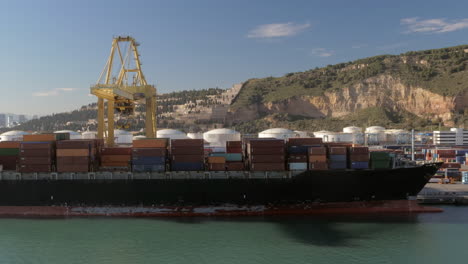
(456, 136)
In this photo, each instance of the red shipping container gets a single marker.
(188, 158)
(317, 151)
(266, 143)
(35, 168)
(235, 166)
(318, 166)
(297, 158)
(266, 158)
(9, 162)
(35, 160)
(75, 144)
(267, 167)
(116, 151)
(337, 151)
(42, 145)
(359, 150)
(234, 150)
(35, 152)
(266, 151)
(187, 143)
(234, 144)
(317, 158)
(359, 157)
(72, 168)
(304, 141)
(216, 166)
(187, 151)
(451, 165)
(149, 152)
(73, 160)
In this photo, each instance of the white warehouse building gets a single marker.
(456, 136)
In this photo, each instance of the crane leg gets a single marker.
(110, 123)
(100, 105)
(150, 133)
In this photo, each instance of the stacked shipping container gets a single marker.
(359, 157)
(318, 158)
(187, 155)
(75, 155)
(337, 158)
(298, 149)
(9, 151)
(380, 160)
(116, 158)
(266, 154)
(149, 155)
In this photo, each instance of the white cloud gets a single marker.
(321, 52)
(277, 30)
(359, 46)
(437, 25)
(54, 92)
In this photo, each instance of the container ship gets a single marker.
(49, 175)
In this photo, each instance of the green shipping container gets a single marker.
(381, 164)
(9, 152)
(228, 156)
(62, 136)
(380, 156)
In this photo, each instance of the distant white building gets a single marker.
(456, 136)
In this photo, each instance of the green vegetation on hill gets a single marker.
(443, 71)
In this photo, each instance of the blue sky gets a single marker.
(52, 51)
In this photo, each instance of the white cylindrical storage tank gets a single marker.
(373, 138)
(321, 134)
(195, 135)
(352, 129)
(89, 135)
(122, 137)
(380, 131)
(278, 133)
(219, 137)
(14, 135)
(171, 134)
(73, 134)
(358, 138)
(301, 134)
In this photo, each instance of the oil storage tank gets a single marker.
(14, 135)
(219, 137)
(171, 134)
(123, 137)
(357, 137)
(278, 133)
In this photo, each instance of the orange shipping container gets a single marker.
(216, 160)
(150, 143)
(317, 158)
(39, 138)
(116, 158)
(10, 144)
(72, 152)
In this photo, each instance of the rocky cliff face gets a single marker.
(379, 91)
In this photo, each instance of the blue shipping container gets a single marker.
(337, 165)
(337, 158)
(460, 159)
(149, 160)
(187, 166)
(148, 168)
(359, 165)
(297, 166)
(461, 152)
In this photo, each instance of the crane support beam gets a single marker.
(110, 123)
(100, 118)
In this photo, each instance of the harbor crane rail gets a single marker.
(123, 88)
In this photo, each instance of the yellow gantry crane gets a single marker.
(123, 85)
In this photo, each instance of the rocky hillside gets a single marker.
(432, 85)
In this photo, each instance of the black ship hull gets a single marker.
(307, 187)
